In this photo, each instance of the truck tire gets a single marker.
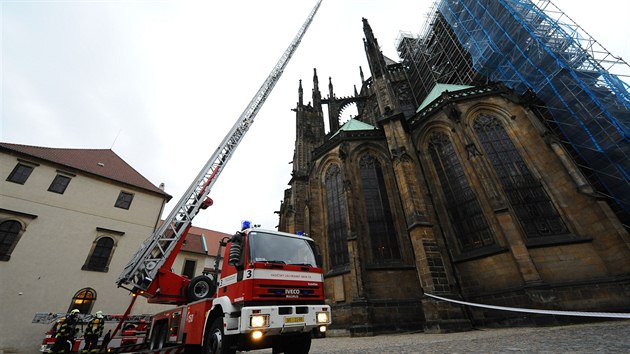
(200, 287)
(215, 341)
(300, 344)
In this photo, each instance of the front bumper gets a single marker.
(284, 319)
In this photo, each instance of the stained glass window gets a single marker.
(336, 212)
(383, 240)
(534, 210)
(465, 213)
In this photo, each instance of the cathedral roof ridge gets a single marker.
(437, 90)
(353, 124)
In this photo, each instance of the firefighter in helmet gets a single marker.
(65, 333)
(93, 332)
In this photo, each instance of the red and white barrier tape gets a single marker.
(545, 312)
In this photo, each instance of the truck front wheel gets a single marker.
(215, 341)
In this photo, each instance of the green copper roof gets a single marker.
(437, 91)
(353, 124)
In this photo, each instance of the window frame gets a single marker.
(16, 174)
(192, 270)
(89, 262)
(121, 201)
(337, 229)
(473, 232)
(524, 192)
(378, 212)
(16, 238)
(55, 184)
(82, 296)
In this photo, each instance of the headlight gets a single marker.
(322, 317)
(256, 335)
(257, 321)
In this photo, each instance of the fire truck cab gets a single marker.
(267, 292)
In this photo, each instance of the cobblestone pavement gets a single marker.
(603, 337)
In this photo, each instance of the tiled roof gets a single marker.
(204, 241)
(100, 162)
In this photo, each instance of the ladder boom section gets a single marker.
(148, 260)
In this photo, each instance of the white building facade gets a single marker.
(70, 220)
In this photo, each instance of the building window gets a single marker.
(20, 173)
(124, 200)
(83, 301)
(189, 268)
(384, 243)
(99, 258)
(465, 214)
(533, 208)
(336, 212)
(59, 184)
(10, 231)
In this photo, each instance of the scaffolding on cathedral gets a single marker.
(535, 49)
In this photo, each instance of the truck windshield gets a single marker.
(274, 248)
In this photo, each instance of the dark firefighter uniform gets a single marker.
(93, 332)
(65, 333)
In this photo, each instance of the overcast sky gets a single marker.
(161, 82)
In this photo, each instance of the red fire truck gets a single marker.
(267, 287)
(268, 294)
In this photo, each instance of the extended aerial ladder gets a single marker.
(149, 271)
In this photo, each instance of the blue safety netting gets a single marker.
(528, 49)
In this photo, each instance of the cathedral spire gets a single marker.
(331, 93)
(300, 95)
(317, 96)
(373, 51)
(333, 116)
(387, 101)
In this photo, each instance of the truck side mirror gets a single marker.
(235, 250)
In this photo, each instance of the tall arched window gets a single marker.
(532, 205)
(9, 236)
(465, 213)
(384, 243)
(336, 212)
(83, 300)
(101, 253)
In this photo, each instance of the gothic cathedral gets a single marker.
(467, 196)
